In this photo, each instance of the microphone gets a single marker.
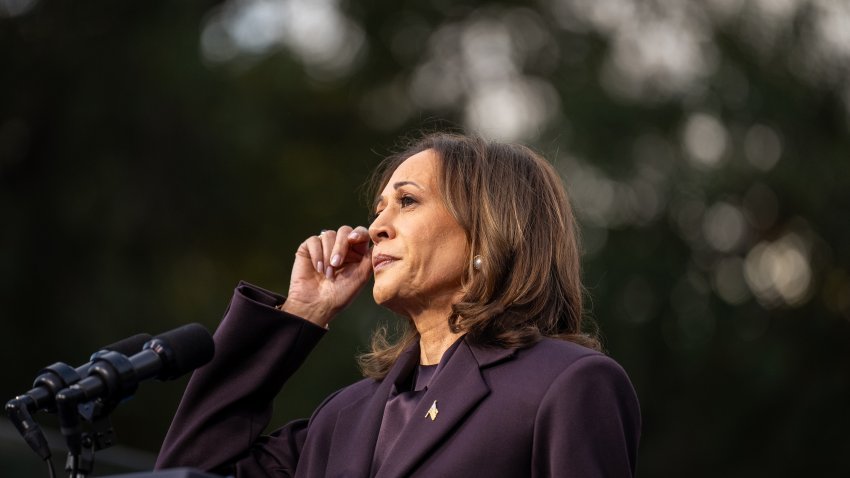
(58, 376)
(113, 376)
(48, 383)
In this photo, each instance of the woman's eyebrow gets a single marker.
(405, 183)
(397, 185)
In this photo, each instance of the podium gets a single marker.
(169, 473)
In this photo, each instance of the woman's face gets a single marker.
(420, 251)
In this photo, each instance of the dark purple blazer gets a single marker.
(552, 409)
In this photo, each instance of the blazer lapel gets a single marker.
(457, 390)
(358, 424)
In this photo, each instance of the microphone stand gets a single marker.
(120, 382)
(111, 377)
(99, 435)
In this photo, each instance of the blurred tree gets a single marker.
(153, 155)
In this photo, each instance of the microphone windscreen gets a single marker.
(130, 345)
(191, 345)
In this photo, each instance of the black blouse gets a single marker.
(403, 400)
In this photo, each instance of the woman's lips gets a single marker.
(382, 261)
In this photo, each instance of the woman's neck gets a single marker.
(435, 337)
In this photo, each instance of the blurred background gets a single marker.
(152, 154)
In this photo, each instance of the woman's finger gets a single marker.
(358, 241)
(340, 249)
(328, 238)
(314, 247)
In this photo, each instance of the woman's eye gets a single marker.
(406, 201)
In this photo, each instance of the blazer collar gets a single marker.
(457, 389)
(487, 356)
(356, 431)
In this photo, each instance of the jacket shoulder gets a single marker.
(558, 354)
(536, 367)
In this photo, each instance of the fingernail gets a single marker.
(329, 272)
(353, 235)
(335, 260)
(320, 267)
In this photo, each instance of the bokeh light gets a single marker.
(153, 155)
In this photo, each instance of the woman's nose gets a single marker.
(380, 229)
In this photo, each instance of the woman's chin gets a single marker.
(384, 288)
(381, 295)
(388, 298)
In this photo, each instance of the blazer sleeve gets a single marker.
(228, 402)
(588, 423)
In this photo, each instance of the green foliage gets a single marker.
(153, 154)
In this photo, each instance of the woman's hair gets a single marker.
(514, 209)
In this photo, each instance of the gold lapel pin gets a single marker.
(432, 412)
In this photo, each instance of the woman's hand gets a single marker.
(329, 271)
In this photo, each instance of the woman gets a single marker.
(474, 243)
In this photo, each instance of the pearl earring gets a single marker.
(477, 263)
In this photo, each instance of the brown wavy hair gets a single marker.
(514, 209)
